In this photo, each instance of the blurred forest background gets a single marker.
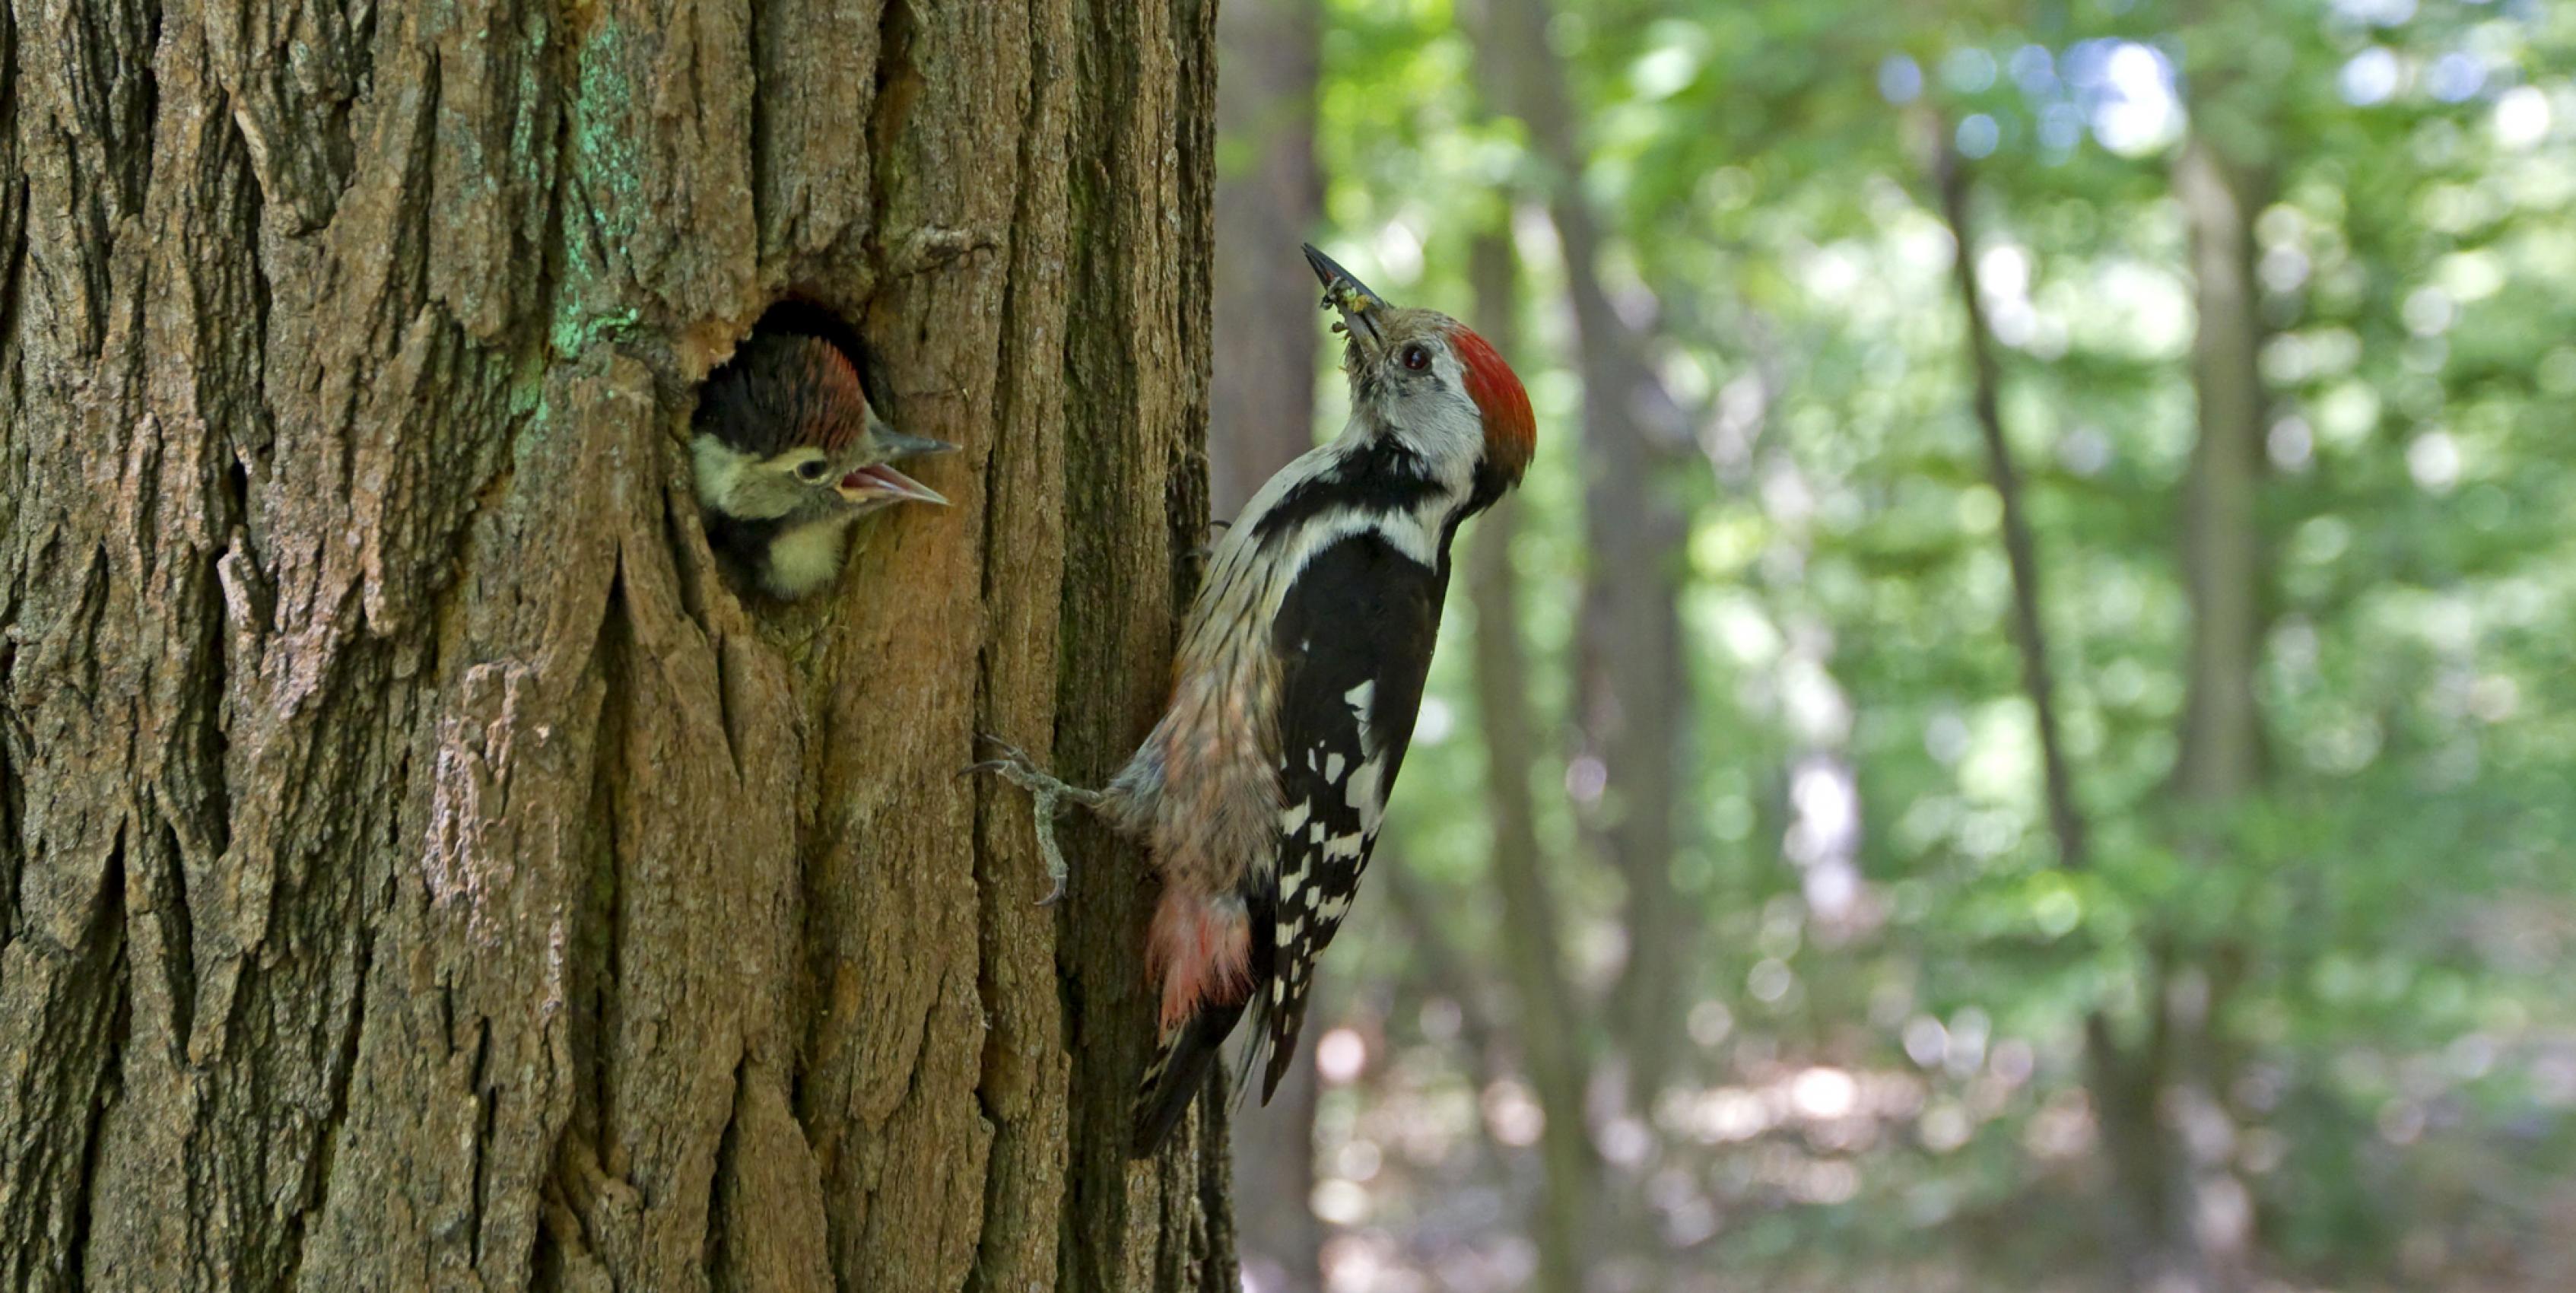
(2041, 768)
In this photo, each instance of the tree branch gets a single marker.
(2065, 817)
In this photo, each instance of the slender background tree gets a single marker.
(1269, 201)
(2089, 611)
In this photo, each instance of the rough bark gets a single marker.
(423, 868)
(1634, 692)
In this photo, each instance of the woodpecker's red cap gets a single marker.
(1511, 429)
(782, 391)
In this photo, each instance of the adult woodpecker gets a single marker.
(788, 454)
(1261, 791)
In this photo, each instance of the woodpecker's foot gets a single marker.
(1049, 794)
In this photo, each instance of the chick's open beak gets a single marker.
(1358, 305)
(879, 481)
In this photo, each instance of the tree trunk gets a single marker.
(424, 868)
(2180, 1218)
(2125, 1081)
(2168, 1136)
(1269, 194)
(2221, 756)
(2021, 550)
(2222, 548)
(1549, 1033)
(1633, 689)
(1281, 1242)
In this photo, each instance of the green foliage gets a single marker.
(2390, 906)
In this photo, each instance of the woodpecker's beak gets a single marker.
(1358, 305)
(880, 482)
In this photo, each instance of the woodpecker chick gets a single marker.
(788, 454)
(1261, 790)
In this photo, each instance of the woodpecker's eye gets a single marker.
(1417, 357)
(810, 470)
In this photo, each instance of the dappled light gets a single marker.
(2104, 469)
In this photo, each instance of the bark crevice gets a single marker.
(101, 1099)
(505, 900)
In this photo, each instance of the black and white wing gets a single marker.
(1354, 636)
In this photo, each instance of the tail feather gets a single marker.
(1283, 1016)
(1199, 953)
(1180, 1067)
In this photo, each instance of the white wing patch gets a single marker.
(1359, 699)
(1362, 794)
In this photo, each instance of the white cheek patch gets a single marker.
(1359, 699)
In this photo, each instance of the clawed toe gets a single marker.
(1048, 793)
(1008, 751)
